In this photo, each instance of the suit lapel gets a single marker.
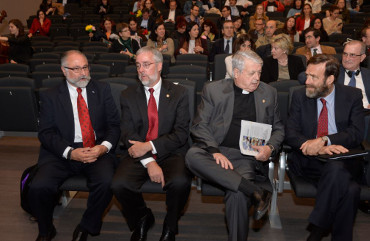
(66, 104)
(310, 107)
(92, 100)
(229, 109)
(260, 104)
(142, 105)
(164, 100)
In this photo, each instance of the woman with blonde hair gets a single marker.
(281, 64)
(260, 13)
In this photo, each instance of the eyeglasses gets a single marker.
(124, 31)
(78, 70)
(145, 65)
(351, 55)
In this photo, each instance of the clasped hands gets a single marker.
(264, 153)
(139, 149)
(88, 154)
(317, 147)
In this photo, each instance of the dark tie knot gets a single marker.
(151, 90)
(79, 90)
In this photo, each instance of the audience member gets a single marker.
(106, 34)
(138, 5)
(47, 7)
(188, 6)
(211, 4)
(282, 64)
(365, 36)
(159, 40)
(225, 16)
(103, 8)
(209, 30)
(79, 130)
(289, 28)
(304, 20)
(170, 15)
(296, 9)
(20, 50)
(156, 144)
(180, 31)
(242, 43)
(152, 10)
(258, 30)
(351, 73)
(225, 44)
(313, 47)
(269, 32)
(273, 6)
(192, 43)
(237, 10)
(40, 25)
(146, 21)
(260, 13)
(333, 24)
(136, 31)
(327, 118)
(343, 11)
(125, 44)
(194, 16)
(243, 3)
(317, 24)
(316, 5)
(216, 156)
(238, 28)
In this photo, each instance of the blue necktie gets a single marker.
(352, 81)
(227, 49)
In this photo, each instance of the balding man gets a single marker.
(79, 129)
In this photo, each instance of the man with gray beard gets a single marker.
(79, 130)
(155, 130)
(327, 118)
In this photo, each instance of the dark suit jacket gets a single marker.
(365, 73)
(218, 48)
(349, 118)
(57, 131)
(151, 23)
(270, 68)
(221, 21)
(264, 51)
(306, 51)
(165, 13)
(173, 114)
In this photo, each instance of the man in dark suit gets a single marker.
(351, 73)
(216, 156)
(79, 129)
(223, 45)
(226, 16)
(170, 15)
(155, 129)
(146, 21)
(327, 118)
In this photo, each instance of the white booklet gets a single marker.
(253, 134)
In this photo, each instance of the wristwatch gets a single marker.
(272, 149)
(325, 139)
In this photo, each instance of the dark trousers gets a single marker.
(44, 190)
(131, 175)
(338, 192)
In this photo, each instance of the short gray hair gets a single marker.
(362, 45)
(238, 60)
(158, 57)
(66, 54)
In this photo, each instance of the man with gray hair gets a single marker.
(216, 156)
(79, 130)
(155, 130)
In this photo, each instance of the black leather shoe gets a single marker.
(79, 234)
(262, 203)
(50, 236)
(167, 234)
(141, 230)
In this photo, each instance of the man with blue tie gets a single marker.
(351, 73)
(327, 118)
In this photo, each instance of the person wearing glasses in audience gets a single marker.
(281, 64)
(125, 44)
(243, 42)
(155, 130)
(79, 130)
(351, 73)
(192, 43)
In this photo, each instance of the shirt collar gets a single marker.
(156, 87)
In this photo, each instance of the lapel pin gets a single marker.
(168, 95)
(93, 92)
(263, 101)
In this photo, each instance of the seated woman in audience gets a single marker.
(136, 32)
(47, 7)
(317, 24)
(242, 43)
(179, 33)
(138, 5)
(159, 39)
(333, 24)
(296, 8)
(343, 11)
(238, 28)
(20, 50)
(316, 5)
(289, 29)
(281, 65)
(153, 12)
(304, 20)
(125, 44)
(40, 25)
(106, 34)
(260, 13)
(104, 7)
(192, 43)
(209, 30)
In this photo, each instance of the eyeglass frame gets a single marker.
(145, 65)
(351, 55)
(78, 70)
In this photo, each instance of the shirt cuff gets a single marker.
(154, 151)
(145, 161)
(107, 144)
(329, 142)
(65, 153)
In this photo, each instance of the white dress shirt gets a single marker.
(359, 85)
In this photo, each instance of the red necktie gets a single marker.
(87, 131)
(152, 118)
(322, 124)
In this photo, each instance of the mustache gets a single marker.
(87, 77)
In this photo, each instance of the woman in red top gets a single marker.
(304, 20)
(40, 25)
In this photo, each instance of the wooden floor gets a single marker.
(203, 220)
